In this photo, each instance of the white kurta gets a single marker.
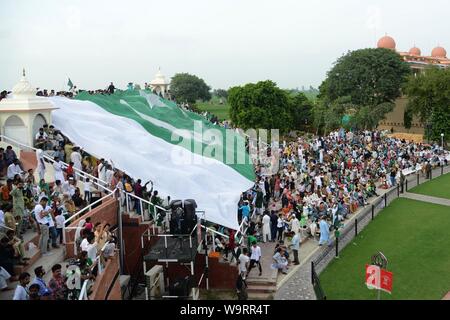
(40, 164)
(266, 227)
(295, 226)
(59, 175)
(75, 157)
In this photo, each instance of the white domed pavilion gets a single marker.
(23, 113)
(160, 85)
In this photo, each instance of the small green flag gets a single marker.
(70, 84)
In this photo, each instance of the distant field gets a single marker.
(414, 237)
(220, 110)
(438, 187)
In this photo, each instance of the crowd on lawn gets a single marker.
(321, 182)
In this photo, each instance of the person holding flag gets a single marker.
(72, 88)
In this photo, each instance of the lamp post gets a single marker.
(442, 140)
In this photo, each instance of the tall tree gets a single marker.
(189, 88)
(260, 106)
(370, 79)
(429, 99)
(301, 111)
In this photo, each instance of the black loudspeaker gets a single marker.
(174, 204)
(190, 216)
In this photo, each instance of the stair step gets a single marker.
(261, 289)
(260, 296)
(34, 254)
(261, 281)
(33, 238)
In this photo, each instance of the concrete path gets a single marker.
(424, 198)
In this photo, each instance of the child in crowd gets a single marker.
(60, 220)
(87, 190)
(88, 226)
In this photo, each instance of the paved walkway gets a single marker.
(296, 285)
(424, 198)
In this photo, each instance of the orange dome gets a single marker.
(415, 51)
(439, 52)
(386, 42)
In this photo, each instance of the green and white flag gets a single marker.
(70, 84)
(150, 138)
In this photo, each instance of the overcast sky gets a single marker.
(225, 42)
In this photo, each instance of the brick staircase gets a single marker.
(260, 287)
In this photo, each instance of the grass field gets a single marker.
(438, 187)
(214, 107)
(414, 236)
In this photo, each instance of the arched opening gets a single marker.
(14, 128)
(38, 122)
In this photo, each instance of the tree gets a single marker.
(429, 99)
(189, 88)
(370, 80)
(260, 106)
(301, 111)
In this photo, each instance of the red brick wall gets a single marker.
(107, 211)
(132, 232)
(105, 280)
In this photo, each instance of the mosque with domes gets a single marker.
(418, 63)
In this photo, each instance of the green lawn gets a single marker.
(438, 187)
(221, 111)
(214, 107)
(414, 236)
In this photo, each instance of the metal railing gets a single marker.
(320, 294)
(98, 182)
(87, 283)
(81, 213)
(153, 211)
(84, 290)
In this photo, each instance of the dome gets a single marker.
(415, 51)
(386, 42)
(160, 79)
(439, 52)
(23, 87)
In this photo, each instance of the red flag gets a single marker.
(386, 281)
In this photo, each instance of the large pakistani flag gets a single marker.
(151, 138)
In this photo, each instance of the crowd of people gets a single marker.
(45, 206)
(320, 183)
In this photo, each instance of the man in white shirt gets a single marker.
(295, 247)
(13, 169)
(21, 292)
(75, 157)
(91, 248)
(243, 263)
(266, 227)
(102, 170)
(58, 168)
(41, 139)
(255, 258)
(109, 175)
(44, 217)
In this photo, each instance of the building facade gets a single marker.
(394, 120)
